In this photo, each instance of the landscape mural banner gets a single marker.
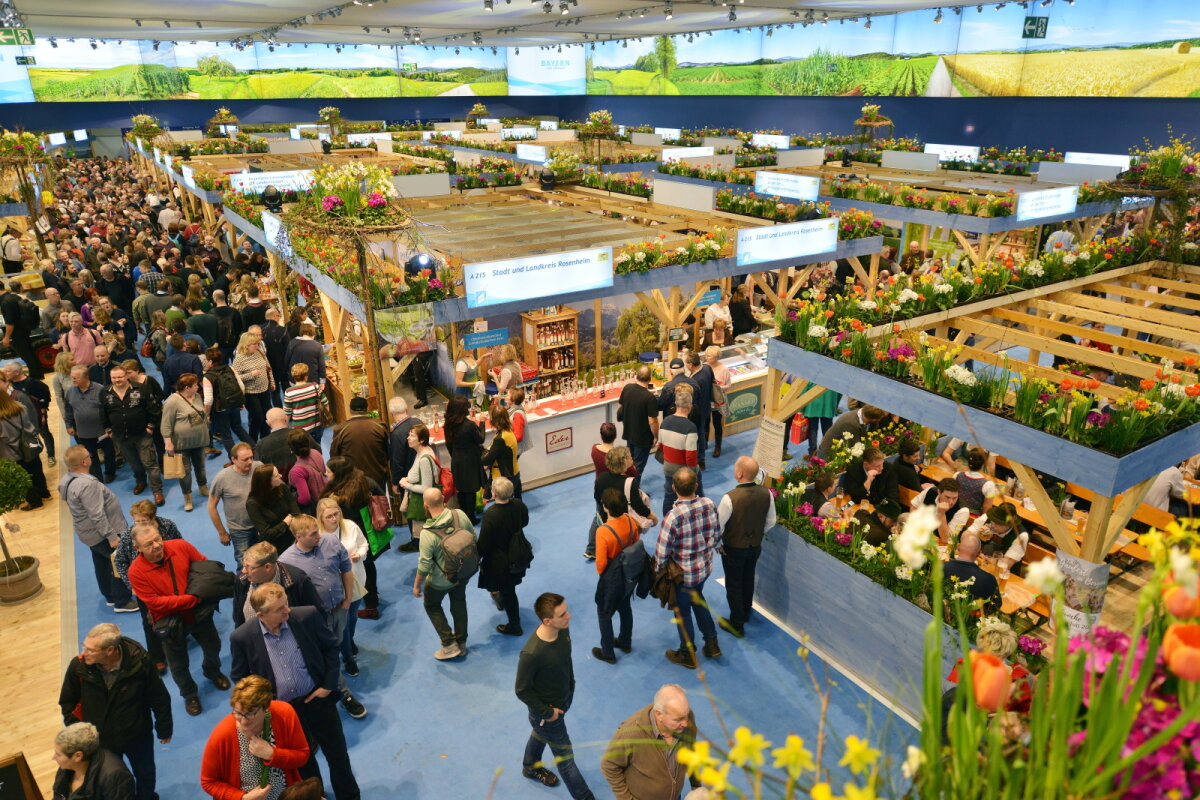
(1098, 48)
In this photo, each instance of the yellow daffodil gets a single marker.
(859, 755)
(822, 792)
(1153, 541)
(695, 758)
(855, 793)
(794, 757)
(748, 748)
(716, 779)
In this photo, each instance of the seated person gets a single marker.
(952, 516)
(879, 524)
(952, 453)
(1000, 532)
(1167, 492)
(906, 462)
(871, 479)
(855, 422)
(963, 568)
(976, 491)
(817, 495)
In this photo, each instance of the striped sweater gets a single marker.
(680, 442)
(301, 401)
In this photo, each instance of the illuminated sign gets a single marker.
(770, 140)
(953, 152)
(296, 180)
(795, 239)
(781, 184)
(496, 282)
(1047, 203)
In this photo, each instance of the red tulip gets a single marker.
(1181, 650)
(990, 679)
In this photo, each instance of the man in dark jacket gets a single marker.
(273, 448)
(364, 441)
(666, 395)
(299, 637)
(702, 375)
(260, 564)
(275, 342)
(114, 685)
(130, 414)
(304, 349)
(179, 362)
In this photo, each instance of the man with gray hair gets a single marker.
(679, 440)
(746, 513)
(401, 458)
(114, 685)
(81, 759)
(54, 305)
(504, 520)
(640, 762)
(99, 521)
(81, 412)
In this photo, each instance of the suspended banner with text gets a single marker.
(793, 240)
(1047, 203)
(494, 282)
(783, 184)
(295, 180)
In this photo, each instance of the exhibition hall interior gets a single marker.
(518, 399)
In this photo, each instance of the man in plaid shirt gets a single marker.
(691, 534)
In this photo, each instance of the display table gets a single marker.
(561, 432)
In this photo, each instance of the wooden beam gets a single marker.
(1071, 329)
(1126, 507)
(1154, 315)
(1095, 530)
(1108, 318)
(1152, 298)
(1050, 516)
(1087, 355)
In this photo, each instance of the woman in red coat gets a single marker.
(255, 752)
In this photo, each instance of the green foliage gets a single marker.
(822, 73)
(132, 80)
(589, 68)
(664, 53)
(646, 63)
(215, 66)
(14, 483)
(902, 78)
(637, 332)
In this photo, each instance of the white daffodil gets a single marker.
(1183, 570)
(1044, 575)
(912, 543)
(914, 760)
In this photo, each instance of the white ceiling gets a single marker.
(438, 20)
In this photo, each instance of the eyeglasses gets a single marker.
(246, 714)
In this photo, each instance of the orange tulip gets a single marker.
(1181, 604)
(1146, 384)
(990, 680)
(1140, 404)
(1181, 650)
(1067, 385)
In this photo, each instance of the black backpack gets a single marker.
(228, 393)
(630, 565)
(520, 553)
(31, 316)
(226, 335)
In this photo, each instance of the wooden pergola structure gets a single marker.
(1153, 299)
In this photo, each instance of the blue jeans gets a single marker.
(689, 600)
(640, 456)
(113, 588)
(225, 425)
(242, 541)
(555, 734)
(348, 636)
(625, 612)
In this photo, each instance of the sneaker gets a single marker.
(350, 667)
(411, 546)
(728, 625)
(589, 556)
(598, 654)
(353, 707)
(448, 652)
(204, 491)
(509, 630)
(127, 608)
(541, 774)
(711, 648)
(682, 657)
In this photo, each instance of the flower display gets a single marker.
(620, 184)
(705, 172)
(329, 114)
(645, 256)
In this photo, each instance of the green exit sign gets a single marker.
(1035, 27)
(26, 61)
(409, 67)
(12, 36)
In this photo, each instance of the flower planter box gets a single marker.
(1103, 473)
(864, 630)
(633, 198)
(476, 151)
(455, 309)
(635, 166)
(966, 173)
(253, 231)
(736, 188)
(14, 210)
(974, 224)
(329, 287)
(431, 184)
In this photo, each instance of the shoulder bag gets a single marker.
(170, 627)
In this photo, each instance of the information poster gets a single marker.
(1047, 203)
(768, 447)
(953, 152)
(533, 71)
(1084, 586)
(669, 133)
(189, 174)
(533, 153)
(494, 282)
(784, 184)
(1097, 159)
(778, 242)
(518, 133)
(771, 140)
(296, 180)
(670, 153)
(411, 328)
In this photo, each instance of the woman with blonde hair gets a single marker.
(61, 379)
(158, 337)
(251, 366)
(257, 751)
(330, 520)
(195, 291)
(510, 375)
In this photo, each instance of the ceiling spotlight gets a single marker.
(938, 19)
(156, 43)
(138, 22)
(667, 12)
(487, 5)
(516, 51)
(456, 51)
(979, 8)
(477, 38)
(642, 13)
(825, 18)
(198, 24)
(92, 42)
(337, 49)
(732, 15)
(867, 24)
(53, 42)
(167, 22)
(564, 7)
(366, 28)
(547, 7)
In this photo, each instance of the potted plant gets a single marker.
(19, 579)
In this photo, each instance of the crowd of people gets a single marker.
(169, 358)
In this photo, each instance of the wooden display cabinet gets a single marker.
(551, 343)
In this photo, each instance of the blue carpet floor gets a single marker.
(443, 729)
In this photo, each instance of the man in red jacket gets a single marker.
(159, 577)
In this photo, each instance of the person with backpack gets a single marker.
(229, 325)
(449, 558)
(504, 552)
(227, 401)
(21, 318)
(621, 560)
(11, 253)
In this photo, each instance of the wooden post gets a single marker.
(672, 311)
(1050, 516)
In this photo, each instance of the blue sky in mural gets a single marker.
(185, 55)
(80, 55)
(322, 57)
(845, 39)
(915, 33)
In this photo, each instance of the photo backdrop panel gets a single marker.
(74, 71)
(452, 71)
(14, 77)
(922, 46)
(837, 59)
(213, 72)
(726, 62)
(537, 72)
(322, 71)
